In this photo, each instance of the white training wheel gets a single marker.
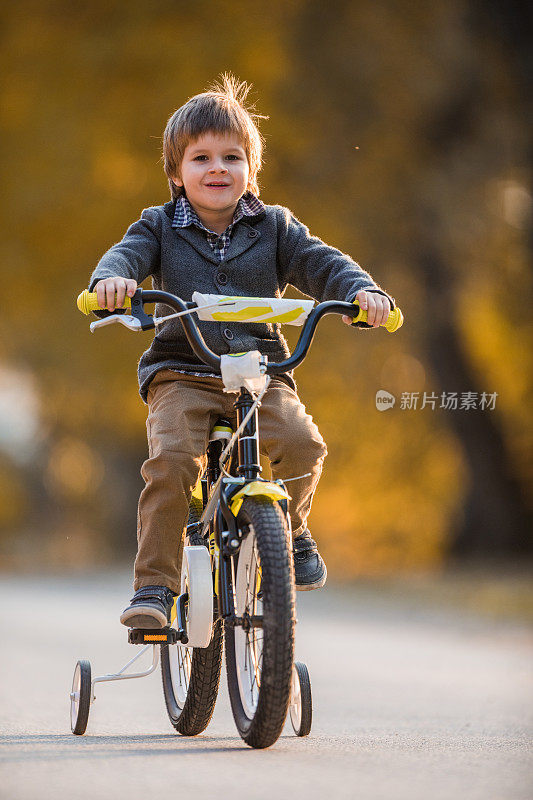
(80, 697)
(301, 704)
(197, 581)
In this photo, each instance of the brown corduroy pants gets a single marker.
(182, 411)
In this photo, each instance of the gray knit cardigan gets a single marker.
(267, 252)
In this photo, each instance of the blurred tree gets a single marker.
(441, 101)
(496, 515)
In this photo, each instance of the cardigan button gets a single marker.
(227, 333)
(252, 234)
(222, 278)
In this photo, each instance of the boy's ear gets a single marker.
(177, 182)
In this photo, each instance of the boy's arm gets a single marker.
(136, 256)
(315, 268)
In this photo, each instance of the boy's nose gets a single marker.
(218, 168)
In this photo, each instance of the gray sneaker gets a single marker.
(309, 569)
(150, 608)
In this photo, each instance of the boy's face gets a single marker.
(214, 172)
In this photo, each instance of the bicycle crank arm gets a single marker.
(181, 617)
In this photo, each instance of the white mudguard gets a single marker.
(196, 579)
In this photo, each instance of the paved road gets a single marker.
(409, 702)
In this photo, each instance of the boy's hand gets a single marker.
(107, 288)
(376, 305)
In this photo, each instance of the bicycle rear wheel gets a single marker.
(191, 675)
(259, 655)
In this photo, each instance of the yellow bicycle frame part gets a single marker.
(215, 556)
(197, 492)
(257, 489)
(174, 613)
(214, 551)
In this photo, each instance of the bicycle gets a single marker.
(237, 573)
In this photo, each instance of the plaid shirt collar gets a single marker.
(247, 206)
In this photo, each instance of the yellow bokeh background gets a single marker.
(397, 137)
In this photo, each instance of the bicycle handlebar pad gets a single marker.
(87, 302)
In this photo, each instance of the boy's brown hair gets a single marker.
(221, 109)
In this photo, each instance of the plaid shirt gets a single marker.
(248, 206)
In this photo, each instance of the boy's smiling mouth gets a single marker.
(215, 185)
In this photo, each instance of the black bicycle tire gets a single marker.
(306, 699)
(84, 705)
(204, 681)
(279, 617)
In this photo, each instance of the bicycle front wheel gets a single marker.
(259, 654)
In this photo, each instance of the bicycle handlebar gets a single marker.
(87, 301)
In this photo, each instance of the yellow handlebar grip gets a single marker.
(394, 320)
(87, 301)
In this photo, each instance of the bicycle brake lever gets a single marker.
(129, 322)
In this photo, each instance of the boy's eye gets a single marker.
(230, 156)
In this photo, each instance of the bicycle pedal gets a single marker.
(143, 636)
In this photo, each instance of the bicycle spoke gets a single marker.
(183, 667)
(253, 646)
(256, 662)
(253, 667)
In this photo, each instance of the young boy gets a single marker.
(216, 236)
